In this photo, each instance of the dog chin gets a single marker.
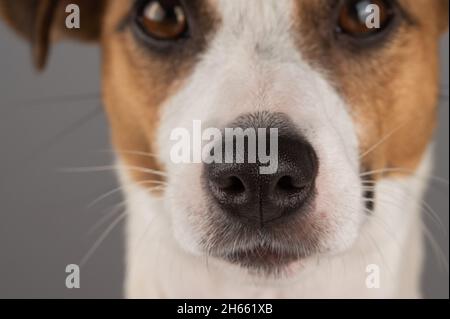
(267, 263)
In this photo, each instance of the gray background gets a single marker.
(52, 121)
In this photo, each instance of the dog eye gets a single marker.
(364, 18)
(162, 19)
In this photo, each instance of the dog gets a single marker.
(355, 108)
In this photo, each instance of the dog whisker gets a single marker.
(107, 216)
(437, 249)
(386, 228)
(56, 100)
(426, 208)
(382, 140)
(374, 183)
(120, 188)
(102, 237)
(62, 134)
(130, 152)
(440, 255)
(113, 168)
(406, 171)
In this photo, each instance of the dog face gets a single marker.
(349, 102)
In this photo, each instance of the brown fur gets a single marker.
(392, 88)
(41, 21)
(136, 83)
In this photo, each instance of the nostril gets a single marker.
(287, 184)
(234, 185)
(230, 185)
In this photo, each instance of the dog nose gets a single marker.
(242, 191)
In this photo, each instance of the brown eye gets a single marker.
(163, 19)
(362, 18)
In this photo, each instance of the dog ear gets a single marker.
(443, 15)
(43, 21)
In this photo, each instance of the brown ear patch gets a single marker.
(33, 20)
(45, 13)
(443, 26)
(20, 15)
(41, 21)
(91, 17)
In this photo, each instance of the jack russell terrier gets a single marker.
(355, 109)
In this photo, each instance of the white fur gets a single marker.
(158, 268)
(253, 65)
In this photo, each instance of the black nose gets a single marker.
(242, 191)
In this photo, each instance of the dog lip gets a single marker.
(263, 258)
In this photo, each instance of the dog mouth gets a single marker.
(268, 261)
